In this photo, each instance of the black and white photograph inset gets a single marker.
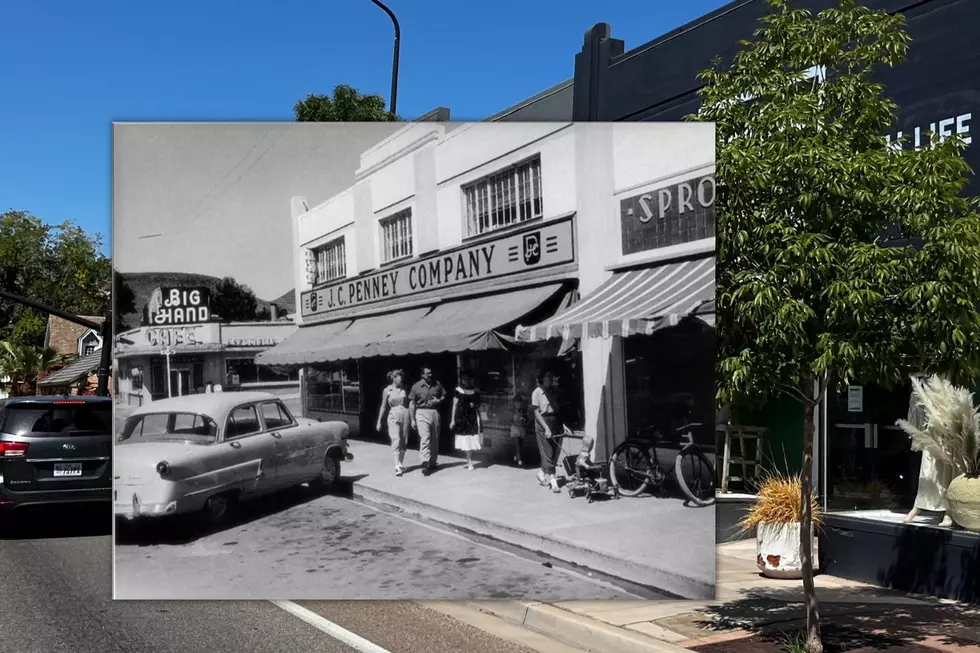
(421, 360)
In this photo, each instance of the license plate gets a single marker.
(68, 469)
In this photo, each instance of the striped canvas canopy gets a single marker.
(636, 302)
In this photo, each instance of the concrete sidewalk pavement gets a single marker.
(656, 542)
(750, 614)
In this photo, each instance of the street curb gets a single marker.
(575, 629)
(682, 587)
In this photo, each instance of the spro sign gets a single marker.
(672, 215)
(173, 306)
(548, 245)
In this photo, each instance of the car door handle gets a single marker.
(277, 436)
(235, 445)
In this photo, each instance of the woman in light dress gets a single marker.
(466, 423)
(394, 413)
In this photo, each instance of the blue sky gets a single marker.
(70, 68)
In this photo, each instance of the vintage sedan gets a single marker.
(204, 453)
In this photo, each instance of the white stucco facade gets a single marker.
(586, 172)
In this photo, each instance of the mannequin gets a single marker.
(934, 475)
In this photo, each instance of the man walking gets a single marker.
(426, 397)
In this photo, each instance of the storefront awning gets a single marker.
(636, 302)
(468, 324)
(457, 326)
(306, 342)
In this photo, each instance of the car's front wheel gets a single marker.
(329, 473)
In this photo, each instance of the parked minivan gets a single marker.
(55, 450)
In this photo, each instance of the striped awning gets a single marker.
(636, 302)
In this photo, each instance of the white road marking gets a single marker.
(343, 635)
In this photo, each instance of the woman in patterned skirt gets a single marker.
(466, 423)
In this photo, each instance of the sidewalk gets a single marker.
(644, 541)
(751, 615)
(656, 542)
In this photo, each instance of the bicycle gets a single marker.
(634, 466)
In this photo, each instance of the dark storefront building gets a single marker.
(864, 465)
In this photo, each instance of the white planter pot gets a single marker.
(778, 550)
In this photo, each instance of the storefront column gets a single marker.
(365, 226)
(602, 358)
(605, 394)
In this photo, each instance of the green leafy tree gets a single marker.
(346, 105)
(23, 365)
(809, 294)
(234, 302)
(59, 265)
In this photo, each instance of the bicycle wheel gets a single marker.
(695, 476)
(630, 468)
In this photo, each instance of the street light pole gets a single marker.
(104, 329)
(394, 63)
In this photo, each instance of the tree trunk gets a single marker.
(813, 641)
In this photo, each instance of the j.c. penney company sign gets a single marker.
(548, 245)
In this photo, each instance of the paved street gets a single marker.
(55, 597)
(302, 547)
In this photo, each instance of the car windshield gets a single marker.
(192, 428)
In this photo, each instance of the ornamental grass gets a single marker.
(778, 501)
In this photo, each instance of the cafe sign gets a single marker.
(166, 337)
(545, 246)
(676, 214)
(173, 306)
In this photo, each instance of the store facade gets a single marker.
(157, 361)
(454, 235)
(864, 466)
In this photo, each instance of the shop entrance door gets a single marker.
(180, 381)
(869, 461)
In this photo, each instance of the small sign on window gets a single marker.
(855, 399)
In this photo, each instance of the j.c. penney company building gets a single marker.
(858, 452)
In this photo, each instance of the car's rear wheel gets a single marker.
(329, 473)
(218, 509)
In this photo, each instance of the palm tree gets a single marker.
(23, 364)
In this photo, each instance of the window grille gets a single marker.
(504, 198)
(396, 236)
(331, 261)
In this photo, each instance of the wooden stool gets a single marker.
(743, 434)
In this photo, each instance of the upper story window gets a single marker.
(331, 261)
(507, 197)
(89, 343)
(396, 236)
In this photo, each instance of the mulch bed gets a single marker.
(835, 640)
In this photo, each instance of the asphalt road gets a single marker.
(299, 546)
(55, 597)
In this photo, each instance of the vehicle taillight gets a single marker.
(13, 449)
(68, 402)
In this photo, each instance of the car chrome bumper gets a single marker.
(136, 509)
